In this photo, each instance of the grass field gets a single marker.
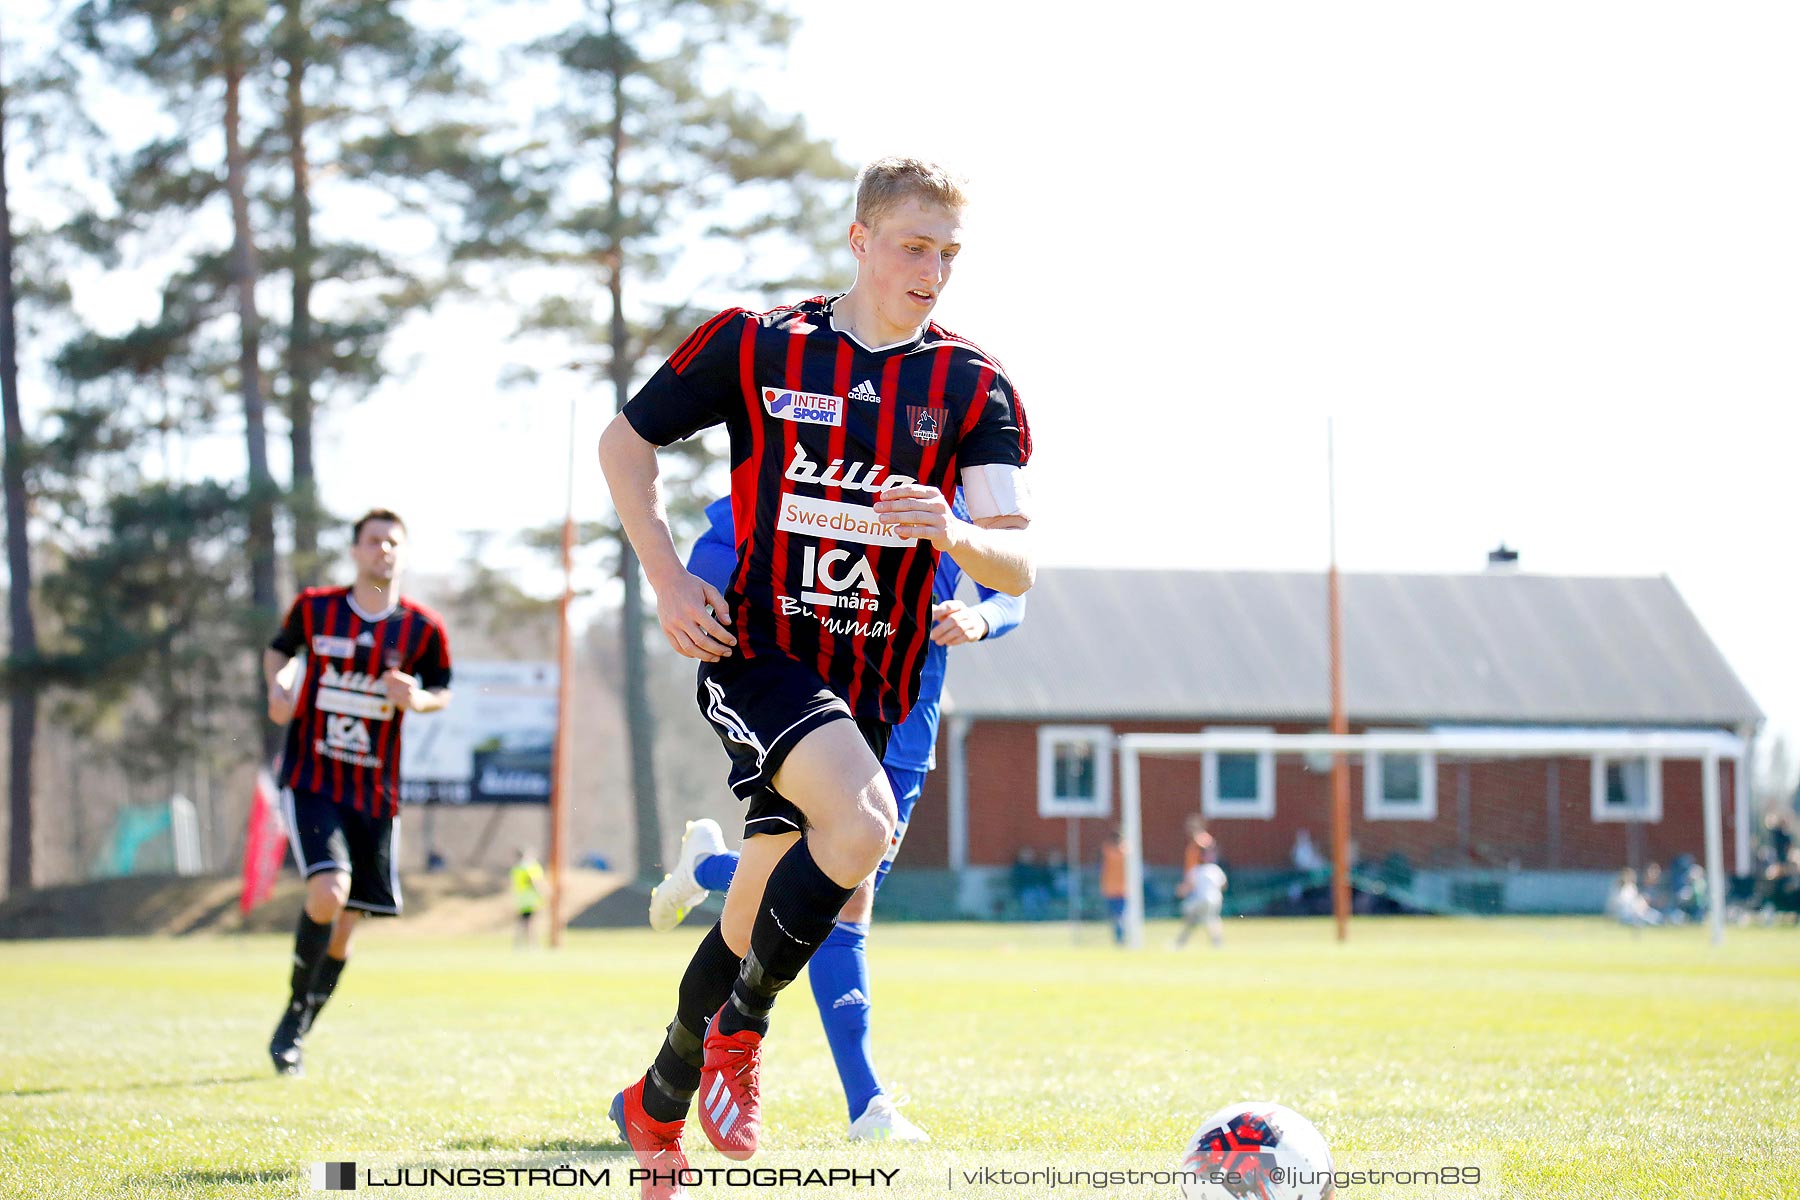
(1566, 1058)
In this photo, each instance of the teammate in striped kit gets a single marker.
(839, 971)
(371, 658)
(852, 420)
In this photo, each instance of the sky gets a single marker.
(1537, 262)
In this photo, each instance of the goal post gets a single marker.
(1430, 796)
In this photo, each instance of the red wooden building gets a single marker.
(1029, 721)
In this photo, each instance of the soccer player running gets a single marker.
(371, 658)
(852, 419)
(839, 970)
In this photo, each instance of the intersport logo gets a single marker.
(805, 408)
(326, 646)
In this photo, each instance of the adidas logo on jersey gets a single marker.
(865, 391)
(851, 999)
(365, 638)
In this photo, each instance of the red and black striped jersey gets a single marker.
(818, 424)
(344, 740)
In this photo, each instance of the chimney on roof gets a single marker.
(1502, 560)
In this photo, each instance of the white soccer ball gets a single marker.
(1257, 1149)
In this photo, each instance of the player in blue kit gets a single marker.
(839, 970)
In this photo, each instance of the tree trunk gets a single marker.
(23, 697)
(640, 719)
(243, 273)
(301, 341)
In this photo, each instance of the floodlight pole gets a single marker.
(1340, 723)
(564, 769)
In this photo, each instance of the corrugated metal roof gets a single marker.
(1239, 645)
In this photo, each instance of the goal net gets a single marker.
(1469, 821)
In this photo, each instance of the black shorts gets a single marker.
(328, 836)
(760, 708)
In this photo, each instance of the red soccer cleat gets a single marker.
(657, 1145)
(730, 1109)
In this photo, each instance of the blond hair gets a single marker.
(886, 183)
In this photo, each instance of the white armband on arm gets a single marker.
(996, 490)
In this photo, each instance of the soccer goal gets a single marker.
(1451, 821)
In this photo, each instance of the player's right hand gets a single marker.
(281, 705)
(284, 692)
(694, 616)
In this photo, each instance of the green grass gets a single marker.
(1565, 1057)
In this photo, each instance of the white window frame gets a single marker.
(1100, 739)
(1650, 813)
(1377, 807)
(1264, 808)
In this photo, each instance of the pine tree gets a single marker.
(39, 104)
(22, 696)
(646, 168)
(394, 116)
(194, 53)
(392, 119)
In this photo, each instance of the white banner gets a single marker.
(492, 745)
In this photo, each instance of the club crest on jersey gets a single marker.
(926, 424)
(804, 408)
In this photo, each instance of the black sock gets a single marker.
(310, 940)
(325, 981)
(669, 1086)
(706, 984)
(800, 904)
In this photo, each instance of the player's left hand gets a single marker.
(402, 689)
(917, 510)
(955, 623)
